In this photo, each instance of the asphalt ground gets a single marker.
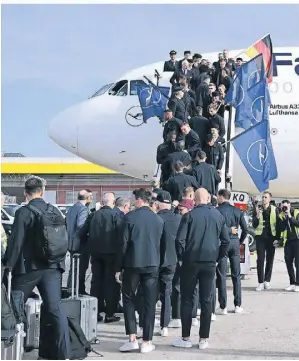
(268, 328)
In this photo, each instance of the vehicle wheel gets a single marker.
(251, 240)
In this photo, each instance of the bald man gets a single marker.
(103, 245)
(75, 220)
(199, 250)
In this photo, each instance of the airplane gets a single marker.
(107, 129)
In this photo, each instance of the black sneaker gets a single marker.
(112, 319)
(100, 318)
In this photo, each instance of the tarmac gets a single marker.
(267, 329)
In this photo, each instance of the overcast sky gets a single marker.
(56, 55)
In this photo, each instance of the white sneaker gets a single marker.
(221, 311)
(267, 285)
(238, 309)
(179, 342)
(139, 333)
(175, 323)
(129, 346)
(198, 312)
(147, 347)
(164, 332)
(260, 287)
(290, 288)
(157, 322)
(159, 304)
(203, 344)
(213, 317)
(194, 322)
(296, 289)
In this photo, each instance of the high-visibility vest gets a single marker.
(284, 234)
(260, 227)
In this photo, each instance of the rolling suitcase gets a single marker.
(12, 342)
(32, 309)
(89, 307)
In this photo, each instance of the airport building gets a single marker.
(65, 177)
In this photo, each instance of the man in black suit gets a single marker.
(192, 141)
(214, 152)
(187, 55)
(234, 218)
(206, 174)
(172, 124)
(172, 64)
(215, 118)
(168, 256)
(185, 71)
(199, 248)
(177, 105)
(139, 257)
(203, 95)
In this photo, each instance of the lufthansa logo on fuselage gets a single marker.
(257, 155)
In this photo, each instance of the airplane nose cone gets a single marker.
(63, 129)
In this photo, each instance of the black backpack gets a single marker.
(52, 239)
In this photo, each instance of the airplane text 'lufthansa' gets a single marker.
(278, 109)
(284, 59)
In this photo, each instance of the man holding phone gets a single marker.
(266, 223)
(289, 227)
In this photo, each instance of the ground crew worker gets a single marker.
(234, 218)
(289, 227)
(266, 222)
(168, 256)
(139, 257)
(199, 248)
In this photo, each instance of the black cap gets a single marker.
(164, 197)
(215, 94)
(172, 52)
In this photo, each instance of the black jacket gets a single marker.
(207, 176)
(215, 155)
(20, 255)
(141, 240)
(75, 220)
(171, 226)
(167, 167)
(174, 124)
(234, 217)
(201, 126)
(178, 108)
(169, 65)
(103, 233)
(190, 103)
(266, 217)
(199, 234)
(192, 142)
(177, 183)
(163, 151)
(179, 72)
(217, 119)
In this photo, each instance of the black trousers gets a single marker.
(147, 282)
(204, 273)
(165, 288)
(264, 247)
(213, 297)
(291, 256)
(176, 296)
(103, 284)
(48, 282)
(233, 254)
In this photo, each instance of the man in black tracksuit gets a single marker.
(177, 105)
(178, 182)
(199, 247)
(103, 245)
(139, 257)
(172, 125)
(234, 218)
(30, 271)
(201, 126)
(214, 152)
(192, 141)
(168, 256)
(215, 118)
(206, 174)
(289, 226)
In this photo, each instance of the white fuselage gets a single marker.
(97, 129)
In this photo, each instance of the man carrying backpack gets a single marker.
(36, 253)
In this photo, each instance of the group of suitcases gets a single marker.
(39, 333)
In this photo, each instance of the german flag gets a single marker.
(263, 46)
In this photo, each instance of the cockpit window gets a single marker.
(102, 90)
(134, 84)
(120, 88)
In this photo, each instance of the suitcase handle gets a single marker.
(74, 256)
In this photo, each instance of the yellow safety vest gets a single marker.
(284, 234)
(260, 227)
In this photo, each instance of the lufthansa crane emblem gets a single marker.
(257, 155)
